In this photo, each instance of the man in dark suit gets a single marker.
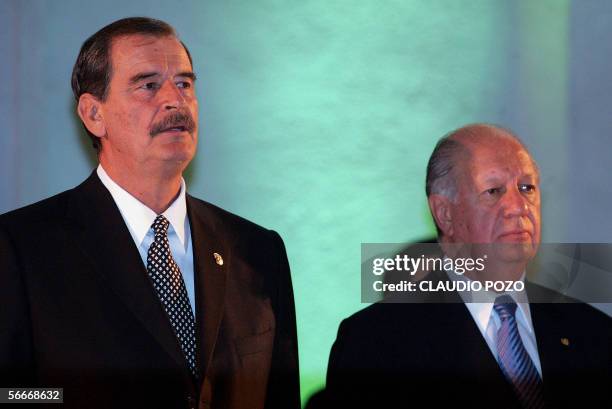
(126, 291)
(530, 348)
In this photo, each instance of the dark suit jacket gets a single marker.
(431, 354)
(79, 312)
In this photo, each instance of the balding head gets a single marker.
(453, 150)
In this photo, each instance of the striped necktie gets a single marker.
(513, 358)
(170, 287)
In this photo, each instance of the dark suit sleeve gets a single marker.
(336, 363)
(15, 333)
(356, 377)
(284, 385)
(340, 384)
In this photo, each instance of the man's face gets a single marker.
(151, 111)
(498, 199)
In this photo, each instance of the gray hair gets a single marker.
(440, 166)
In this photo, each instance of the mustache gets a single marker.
(176, 119)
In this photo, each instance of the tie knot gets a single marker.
(505, 307)
(160, 225)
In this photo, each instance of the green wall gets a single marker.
(324, 115)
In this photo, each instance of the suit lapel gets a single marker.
(551, 334)
(210, 277)
(104, 238)
(557, 357)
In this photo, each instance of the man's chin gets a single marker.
(177, 151)
(175, 160)
(515, 252)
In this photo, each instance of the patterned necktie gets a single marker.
(513, 358)
(168, 282)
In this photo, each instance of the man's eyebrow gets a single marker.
(493, 179)
(145, 75)
(142, 76)
(188, 74)
(530, 176)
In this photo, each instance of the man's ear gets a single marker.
(441, 210)
(90, 111)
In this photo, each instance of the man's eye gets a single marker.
(150, 86)
(527, 188)
(493, 191)
(183, 84)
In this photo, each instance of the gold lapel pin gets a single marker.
(565, 341)
(218, 258)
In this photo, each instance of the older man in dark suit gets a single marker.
(528, 348)
(126, 291)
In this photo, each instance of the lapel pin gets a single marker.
(218, 258)
(565, 341)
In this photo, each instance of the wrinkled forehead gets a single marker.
(130, 50)
(497, 158)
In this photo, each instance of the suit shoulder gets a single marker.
(582, 314)
(44, 211)
(383, 316)
(563, 305)
(595, 315)
(371, 313)
(232, 223)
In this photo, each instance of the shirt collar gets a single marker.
(138, 216)
(482, 309)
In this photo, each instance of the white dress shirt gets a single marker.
(488, 322)
(139, 218)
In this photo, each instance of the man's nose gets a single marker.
(515, 203)
(170, 95)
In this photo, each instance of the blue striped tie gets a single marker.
(513, 358)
